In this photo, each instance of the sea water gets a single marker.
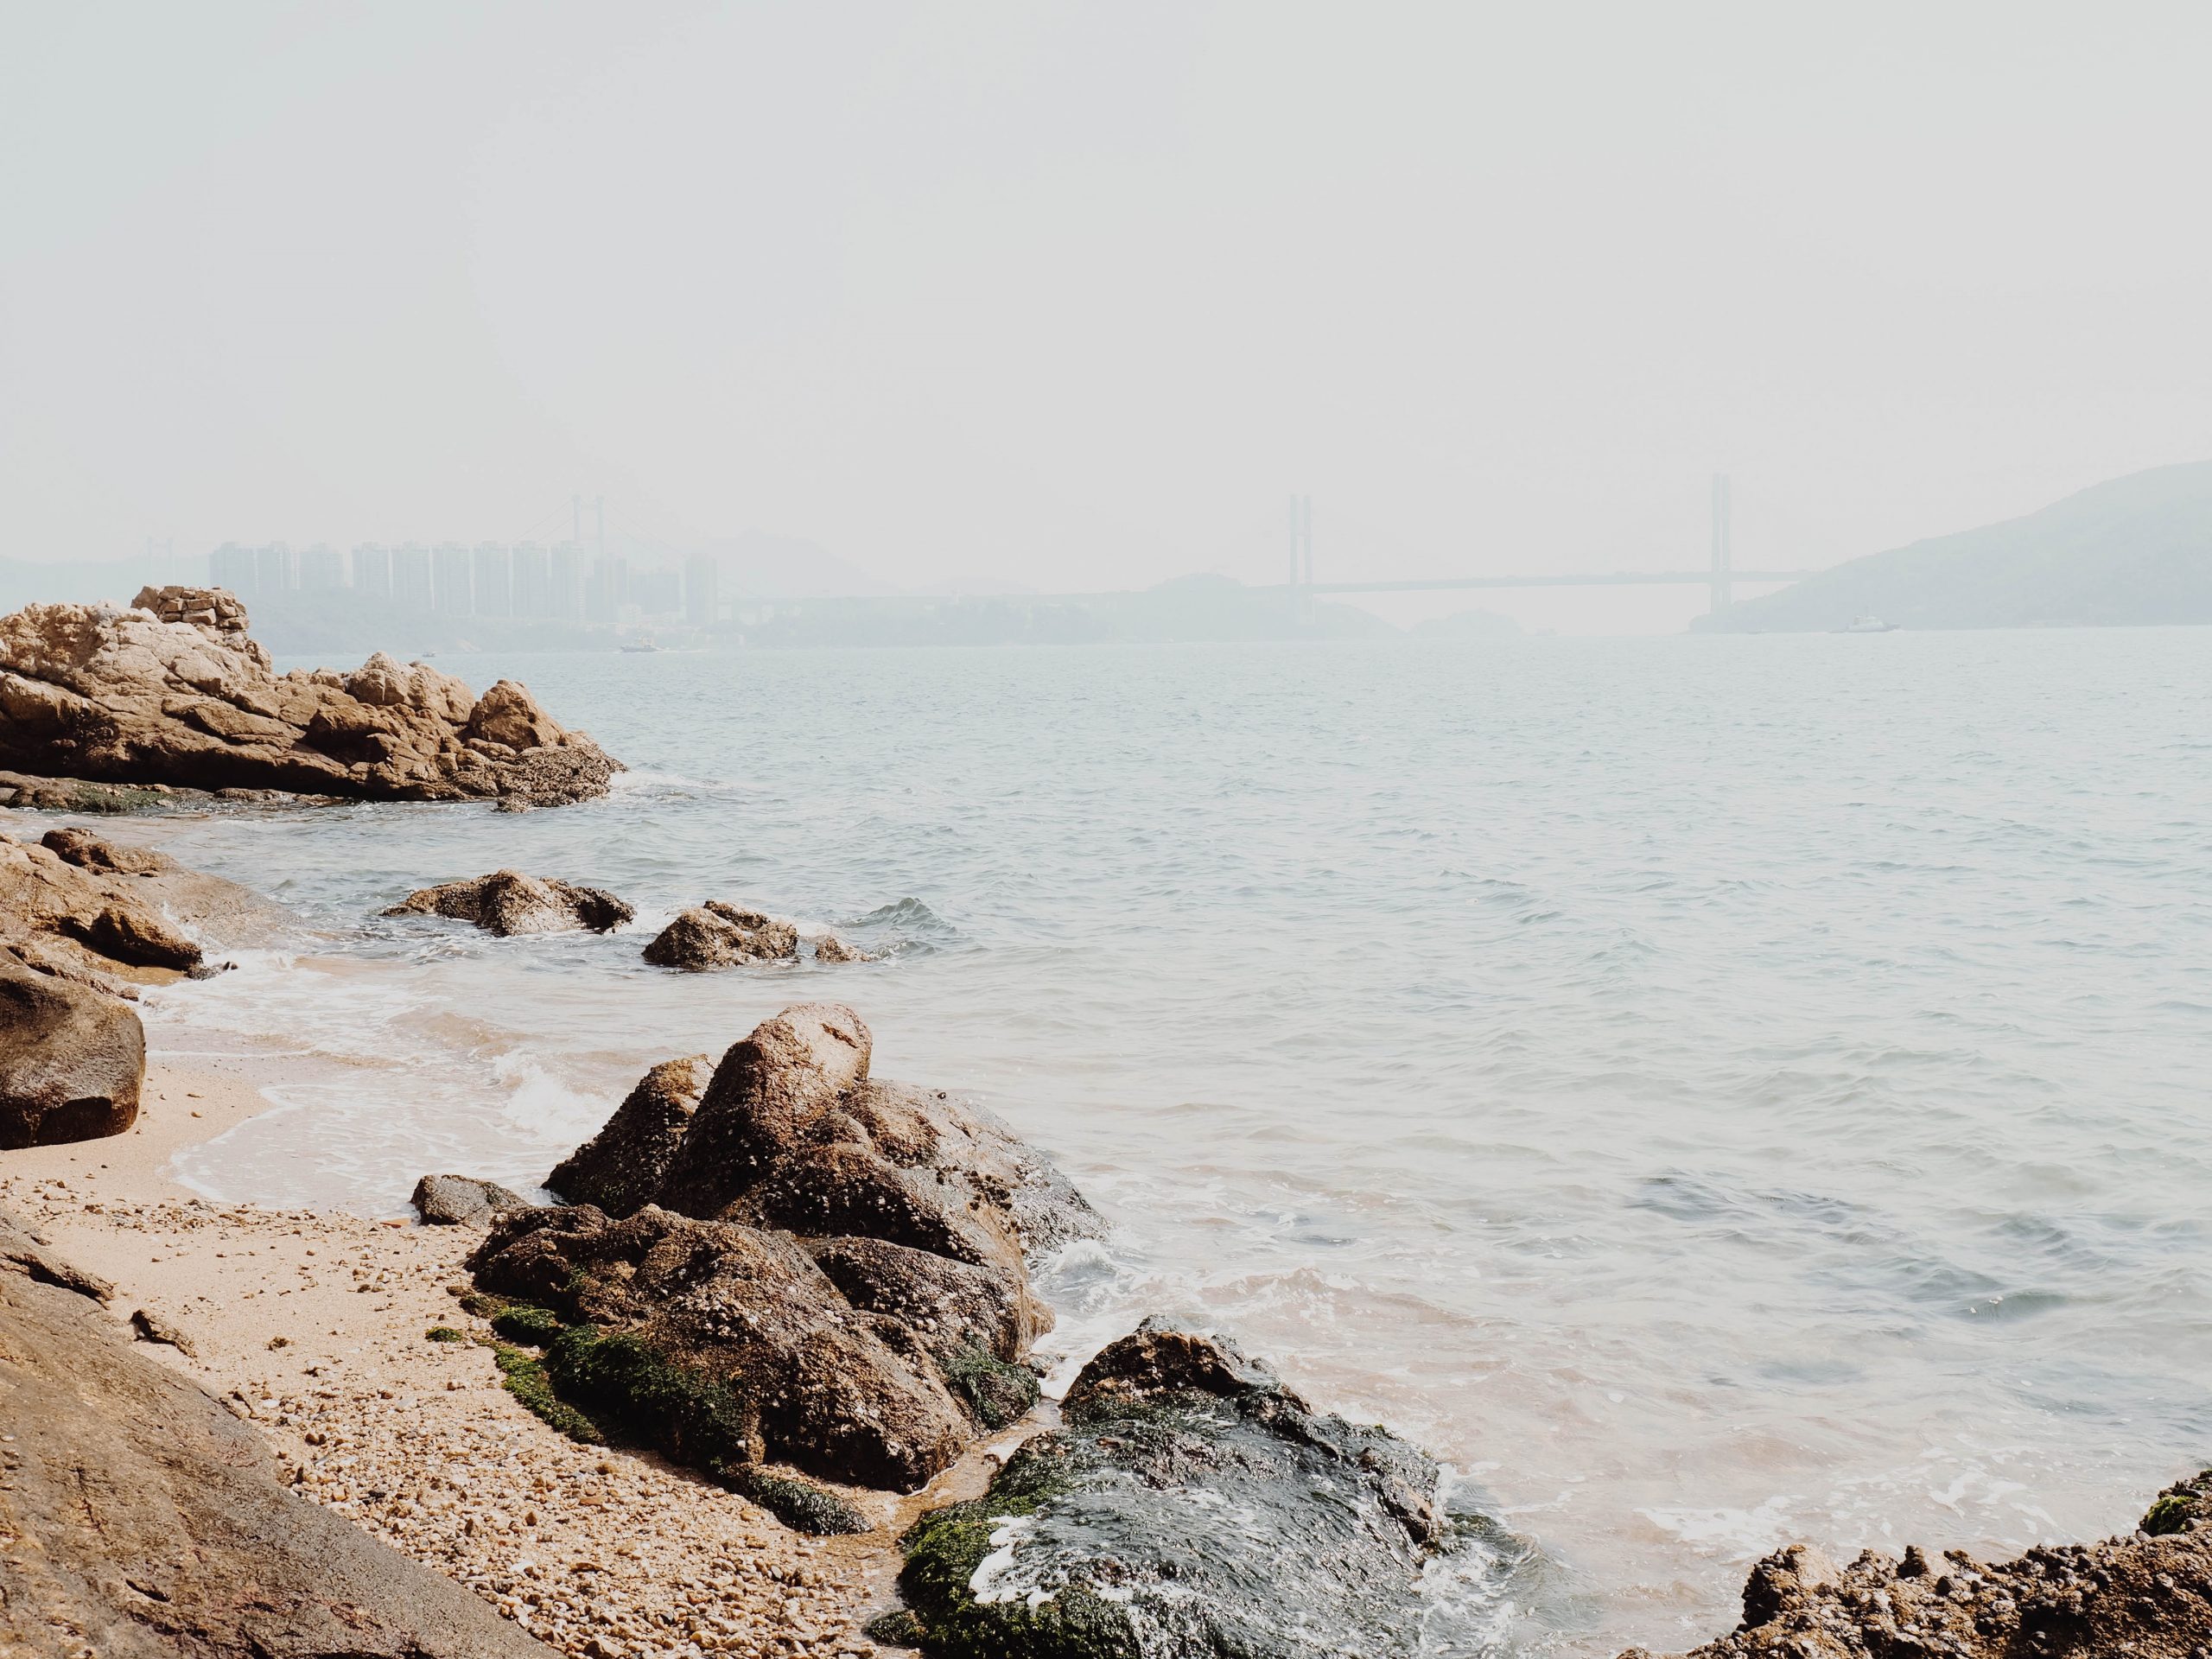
(1712, 1091)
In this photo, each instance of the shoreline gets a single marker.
(311, 1325)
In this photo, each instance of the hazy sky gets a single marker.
(1074, 295)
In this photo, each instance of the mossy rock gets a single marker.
(799, 1504)
(523, 1375)
(1106, 1538)
(444, 1333)
(996, 1393)
(600, 1389)
(520, 1322)
(2182, 1507)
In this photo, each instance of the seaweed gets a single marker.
(995, 1393)
(945, 1547)
(2181, 1507)
(523, 1375)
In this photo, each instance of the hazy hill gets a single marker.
(2135, 550)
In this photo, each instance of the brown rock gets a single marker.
(869, 1239)
(2149, 1597)
(716, 935)
(152, 1327)
(87, 851)
(749, 1311)
(622, 1167)
(831, 948)
(147, 1522)
(174, 692)
(508, 902)
(462, 1201)
(72, 1061)
(793, 1134)
(106, 915)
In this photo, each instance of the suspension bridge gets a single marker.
(1720, 575)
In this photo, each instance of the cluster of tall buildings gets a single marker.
(525, 579)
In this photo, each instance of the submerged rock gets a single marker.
(72, 1060)
(716, 935)
(149, 1523)
(2148, 1597)
(1190, 1505)
(462, 1201)
(831, 948)
(507, 902)
(841, 1264)
(173, 692)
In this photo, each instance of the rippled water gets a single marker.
(1715, 1091)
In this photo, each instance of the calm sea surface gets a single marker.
(1712, 1091)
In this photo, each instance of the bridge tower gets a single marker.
(1724, 552)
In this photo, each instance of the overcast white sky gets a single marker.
(1073, 295)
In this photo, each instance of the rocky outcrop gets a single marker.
(622, 1168)
(1190, 1505)
(841, 1264)
(174, 691)
(716, 935)
(2148, 1597)
(507, 902)
(831, 948)
(145, 1522)
(462, 1201)
(113, 915)
(72, 1060)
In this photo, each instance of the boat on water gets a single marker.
(641, 646)
(1868, 624)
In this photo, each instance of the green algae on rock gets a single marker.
(1191, 1506)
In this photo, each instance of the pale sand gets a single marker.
(312, 1326)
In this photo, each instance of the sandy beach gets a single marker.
(312, 1326)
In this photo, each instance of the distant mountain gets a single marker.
(2135, 550)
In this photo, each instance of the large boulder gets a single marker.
(146, 1522)
(114, 916)
(72, 1060)
(174, 691)
(1189, 1506)
(622, 1168)
(747, 1313)
(793, 1133)
(716, 935)
(2148, 1596)
(507, 902)
(846, 1260)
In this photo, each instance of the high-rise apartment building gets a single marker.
(373, 570)
(321, 568)
(410, 576)
(533, 586)
(449, 564)
(701, 573)
(564, 578)
(235, 568)
(273, 572)
(494, 582)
